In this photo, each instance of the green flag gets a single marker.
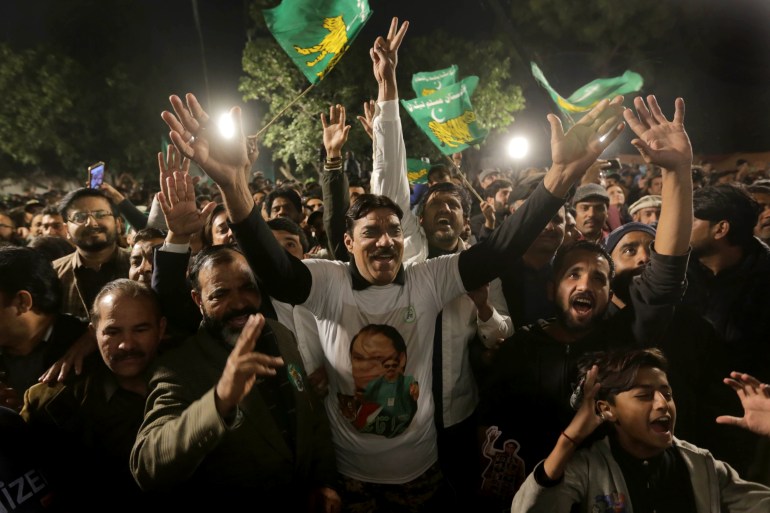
(417, 171)
(316, 33)
(428, 82)
(447, 116)
(593, 92)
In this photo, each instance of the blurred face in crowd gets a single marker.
(647, 215)
(582, 292)
(290, 242)
(128, 332)
(656, 186)
(443, 220)
(377, 245)
(644, 416)
(93, 234)
(36, 226)
(283, 207)
(489, 179)
(630, 256)
(500, 201)
(617, 196)
(552, 235)
(220, 230)
(354, 192)
(590, 217)
(141, 261)
(762, 230)
(53, 225)
(702, 238)
(7, 228)
(315, 204)
(571, 233)
(228, 296)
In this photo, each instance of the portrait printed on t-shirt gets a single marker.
(385, 399)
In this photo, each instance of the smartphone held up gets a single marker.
(95, 175)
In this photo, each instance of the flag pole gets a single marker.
(295, 100)
(465, 180)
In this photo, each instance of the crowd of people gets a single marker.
(341, 345)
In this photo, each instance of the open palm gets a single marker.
(661, 142)
(755, 399)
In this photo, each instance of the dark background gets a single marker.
(717, 57)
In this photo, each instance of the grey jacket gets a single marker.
(594, 480)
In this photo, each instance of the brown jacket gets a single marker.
(73, 301)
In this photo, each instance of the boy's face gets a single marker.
(645, 415)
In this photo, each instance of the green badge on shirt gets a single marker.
(410, 314)
(295, 376)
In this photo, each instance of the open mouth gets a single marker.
(662, 425)
(583, 304)
(238, 321)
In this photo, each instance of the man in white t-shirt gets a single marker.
(375, 288)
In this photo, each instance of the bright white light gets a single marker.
(226, 126)
(518, 147)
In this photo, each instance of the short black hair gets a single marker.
(52, 248)
(84, 192)
(581, 245)
(364, 204)
(500, 183)
(285, 224)
(207, 257)
(618, 369)
(450, 187)
(51, 210)
(286, 193)
(440, 170)
(126, 287)
(146, 234)
(731, 203)
(27, 269)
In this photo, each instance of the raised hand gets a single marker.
(586, 420)
(574, 152)
(335, 131)
(384, 54)
(178, 205)
(174, 161)
(226, 161)
(243, 366)
(660, 141)
(368, 118)
(755, 399)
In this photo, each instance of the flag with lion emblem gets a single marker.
(447, 116)
(316, 33)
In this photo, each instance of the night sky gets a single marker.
(722, 56)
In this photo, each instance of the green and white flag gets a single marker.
(316, 33)
(447, 116)
(593, 92)
(429, 82)
(417, 171)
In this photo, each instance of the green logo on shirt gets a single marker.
(410, 314)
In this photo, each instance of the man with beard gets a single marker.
(536, 369)
(229, 413)
(591, 202)
(497, 197)
(761, 194)
(88, 424)
(97, 260)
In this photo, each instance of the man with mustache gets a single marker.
(92, 227)
(141, 258)
(379, 473)
(88, 423)
(537, 367)
(231, 411)
(761, 194)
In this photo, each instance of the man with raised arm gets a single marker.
(382, 468)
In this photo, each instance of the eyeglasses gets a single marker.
(82, 217)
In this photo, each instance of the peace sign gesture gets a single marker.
(384, 54)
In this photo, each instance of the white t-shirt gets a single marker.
(394, 441)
